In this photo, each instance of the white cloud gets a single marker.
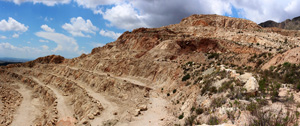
(12, 25)
(45, 47)
(156, 13)
(66, 46)
(110, 34)
(79, 25)
(149, 13)
(3, 37)
(42, 40)
(45, 2)
(93, 4)
(124, 16)
(96, 44)
(48, 19)
(263, 10)
(9, 50)
(47, 28)
(15, 35)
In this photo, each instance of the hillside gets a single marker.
(288, 24)
(208, 69)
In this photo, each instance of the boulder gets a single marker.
(91, 116)
(251, 85)
(137, 112)
(143, 107)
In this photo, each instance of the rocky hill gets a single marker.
(208, 69)
(289, 24)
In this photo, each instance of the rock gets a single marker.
(91, 116)
(137, 112)
(251, 85)
(143, 107)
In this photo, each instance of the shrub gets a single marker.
(213, 120)
(213, 89)
(174, 91)
(186, 77)
(226, 85)
(262, 85)
(199, 111)
(267, 118)
(218, 102)
(189, 63)
(190, 120)
(286, 64)
(181, 116)
(213, 55)
(193, 109)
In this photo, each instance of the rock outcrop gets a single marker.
(291, 56)
(289, 24)
(204, 69)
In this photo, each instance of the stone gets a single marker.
(137, 112)
(251, 85)
(91, 116)
(143, 107)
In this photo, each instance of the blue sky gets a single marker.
(35, 28)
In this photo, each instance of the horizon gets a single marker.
(36, 28)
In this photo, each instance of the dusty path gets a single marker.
(154, 116)
(134, 81)
(63, 109)
(28, 109)
(109, 107)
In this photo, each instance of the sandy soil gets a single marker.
(155, 114)
(109, 107)
(28, 109)
(63, 109)
(129, 79)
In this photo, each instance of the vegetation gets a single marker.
(186, 77)
(213, 120)
(199, 111)
(181, 116)
(174, 91)
(213, 55)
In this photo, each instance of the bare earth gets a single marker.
(28, 109)
(63, 108)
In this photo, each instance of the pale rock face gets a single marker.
(251, 85)
(245, 77)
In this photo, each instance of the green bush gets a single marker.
(193, 109)
(262, 85)
(186, 77)
(181, 116)
(218, 102)
(213, 55)
(174, 91)
(190, 120)
(213, 120)
(199, 111)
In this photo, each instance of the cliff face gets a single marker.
(288, 24)
(183, 73)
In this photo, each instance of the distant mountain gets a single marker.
(289, 24)
(11, 59)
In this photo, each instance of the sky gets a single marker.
(35, 28)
